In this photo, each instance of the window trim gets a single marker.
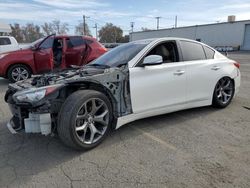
(139, 61)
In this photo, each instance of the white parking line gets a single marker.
(154, 138)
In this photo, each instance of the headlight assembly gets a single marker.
(35, 94)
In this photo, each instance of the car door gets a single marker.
(43, 56)
(158, 88)
(75, 51)
(201, 71)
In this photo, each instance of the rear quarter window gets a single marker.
(5, 41)
(192, 51)
(209, 52)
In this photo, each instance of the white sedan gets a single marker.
(133, 81)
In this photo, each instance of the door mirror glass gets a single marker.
(152, 60)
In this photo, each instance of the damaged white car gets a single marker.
(133, 81)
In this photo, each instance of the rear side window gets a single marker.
(192, 51)
(88, 41)
(209, 52)
(5, 41)
(74, 42)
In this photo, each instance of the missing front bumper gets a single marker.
(35, 123)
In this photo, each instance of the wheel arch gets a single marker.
(14, 64)
(89, 85)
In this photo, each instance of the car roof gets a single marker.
(64, 36)
(156, 40)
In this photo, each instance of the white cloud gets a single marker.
(67, 4)
(236, 6)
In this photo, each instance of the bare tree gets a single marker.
(59, 28)
(47, 28)
(79, 29)
(16, 31)
(145, 29)
(31, 32)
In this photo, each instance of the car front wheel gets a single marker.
(85, 119)
(223, 92)
(18, 72)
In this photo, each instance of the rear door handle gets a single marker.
(179, 72)
(215, 68)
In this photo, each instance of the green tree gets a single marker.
(124, 39)
(110, 33)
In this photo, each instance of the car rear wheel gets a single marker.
(223, 92)
(18, 72)
(85, 119)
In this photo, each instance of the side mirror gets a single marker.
(152, 60)
(33, 48)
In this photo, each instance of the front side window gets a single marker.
(5, 41)
(192, 51)
(48, 43)
(168, 51)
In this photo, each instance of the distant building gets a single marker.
(233, 33)
(4, 28)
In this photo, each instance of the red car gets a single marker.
(48, 54)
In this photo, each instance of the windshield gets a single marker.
(120, 55)
(37, 42)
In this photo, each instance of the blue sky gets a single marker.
(121, 13)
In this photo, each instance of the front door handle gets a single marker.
(215, 68)
(179, 72)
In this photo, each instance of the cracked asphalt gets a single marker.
(203, 147)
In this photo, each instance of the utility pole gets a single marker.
(158, 21)
(175, 25)
(132, 26)
(84, 24)
(132, 29)
(96, 35)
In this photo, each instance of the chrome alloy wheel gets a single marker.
(224, 90)
(92, 121)
(19, 73)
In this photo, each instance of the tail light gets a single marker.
(236, 64)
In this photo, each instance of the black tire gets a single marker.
(218, 102)
(23, 69)
(67, 119)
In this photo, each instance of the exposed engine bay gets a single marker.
(35, 103)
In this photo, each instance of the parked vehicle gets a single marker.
(133, 81)
(48, 54)
(7, 44)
